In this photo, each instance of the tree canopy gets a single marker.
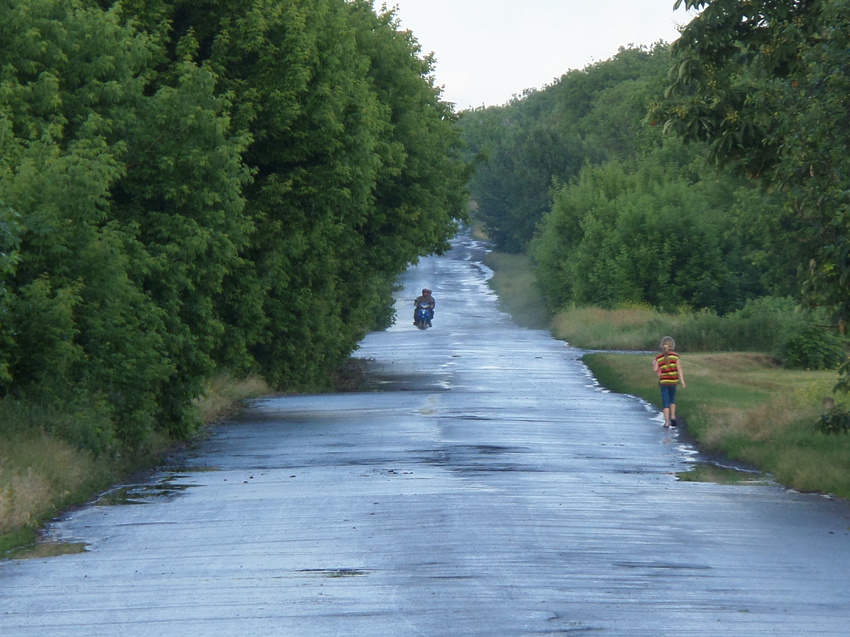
(765, 85)
(613, 211)
(646, 232)
(548, 135)
(195, 187)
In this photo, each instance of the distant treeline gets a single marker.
(196, 187)
(615, 213)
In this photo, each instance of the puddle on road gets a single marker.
(47, 545)
(714, 473)
(472, 459)
(175, 469)
(143, 493)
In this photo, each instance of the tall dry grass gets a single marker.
(39, 475)
(516, 285)
(627, 328)
(770, 325)
(223, 394)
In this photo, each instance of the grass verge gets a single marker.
(39, 476)
(747, 408)
(514, 282)
(631, 328)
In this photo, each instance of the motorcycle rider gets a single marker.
(428, 300)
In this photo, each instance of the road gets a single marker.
(486, 487)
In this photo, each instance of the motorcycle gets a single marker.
(423, 316)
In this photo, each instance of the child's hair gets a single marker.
(668, 344)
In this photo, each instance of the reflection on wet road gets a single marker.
(490, 488)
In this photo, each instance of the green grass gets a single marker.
(747, 408)
(630, 328)
(517, 289)
(12, 540)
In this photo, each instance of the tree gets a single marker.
(10, 241)
(420, 192)
(765, 84)
(194, 187)
(355, 171)
(76, 326)
(650, 230)
(301, 89)
(181, 198)
(547, 136)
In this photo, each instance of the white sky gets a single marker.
(487, 51)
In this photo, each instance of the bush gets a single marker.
(835, 421)
(812, 347)
(84, 424)
(702, 332)
(762, 325)
(769, 325)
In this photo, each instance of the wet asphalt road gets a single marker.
(490, 489)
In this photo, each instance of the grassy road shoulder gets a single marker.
(746, 408)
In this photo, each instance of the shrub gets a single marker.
(84, 424)
(835, 421)
(762, 323)
(702, 331)
(812, 347)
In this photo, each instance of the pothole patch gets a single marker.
(46, 549)
(335, 572)
(142, 493)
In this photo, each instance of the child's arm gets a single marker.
(681, 373)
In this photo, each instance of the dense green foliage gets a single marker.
(765, 85)
(549, 135)
(617, 214)
(812, 347)
(193, 187)
(656, 230)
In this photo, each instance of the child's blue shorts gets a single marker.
(668, 395)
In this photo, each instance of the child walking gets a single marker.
(669, 369)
